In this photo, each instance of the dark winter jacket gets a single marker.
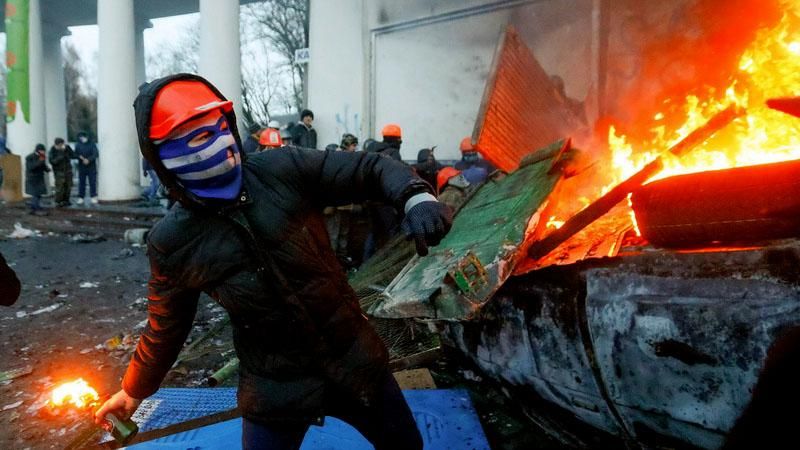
(35, 168)
(88, 151)
(61, 160)
(9, 284)
(427, 167)
(303, 136)
(250, 144)
(297, 326)
(391, 150)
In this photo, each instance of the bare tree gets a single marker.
(179, 56)
(283, 24)
(81, 98)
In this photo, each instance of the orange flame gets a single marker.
(769, 67)
(77, 393)
(554, 223)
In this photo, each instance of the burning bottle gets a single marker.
(81, 396)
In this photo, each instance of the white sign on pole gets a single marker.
(301, 56)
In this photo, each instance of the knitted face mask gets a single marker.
(203, 155)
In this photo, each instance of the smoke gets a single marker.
(660, 52)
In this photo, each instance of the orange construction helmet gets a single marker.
(444, 176)
(466, 145)
(270, 138)
(392, 130)
(180, 101)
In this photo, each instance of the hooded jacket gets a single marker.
(87, 150)
(297, 326)
(35, 168)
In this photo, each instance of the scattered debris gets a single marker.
(415, 379)
(231, 367)
(21, 232)
(89, 284)
(119, 342)
(15, 373)
(136, 235)
(51, 308)
(124, 253)
(11, 406)
(84, 238)
(470, 375)
(139, 304)
(53, 294)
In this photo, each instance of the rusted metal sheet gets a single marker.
(480, 251)
(661, 347)
(521, 110)
(744, 204)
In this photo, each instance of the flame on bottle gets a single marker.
(77, 393)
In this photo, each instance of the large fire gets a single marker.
(77, 393)
(769, 67)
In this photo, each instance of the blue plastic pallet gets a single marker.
(446, 420)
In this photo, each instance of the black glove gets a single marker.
(427, 223)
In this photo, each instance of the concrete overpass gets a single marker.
(37, 104)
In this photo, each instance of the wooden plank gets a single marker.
(177, 428)
(604, 204)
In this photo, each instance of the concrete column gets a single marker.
(116, 88)
(141, 73)
(55, 96)
(38, 118)
(220, 53)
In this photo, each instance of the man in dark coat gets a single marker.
(251, 141)
(35, 168)
(427, 167)
(9, 284)
(248, 230)
(61, 156)
(303, 132)
(86, 154)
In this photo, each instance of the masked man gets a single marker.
(249, 232)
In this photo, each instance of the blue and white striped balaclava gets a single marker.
(203, 155)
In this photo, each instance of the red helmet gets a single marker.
(444, 176)
(180, 101)
(466, 145)
(270, 138)
(392, 130)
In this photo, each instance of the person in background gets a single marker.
(384, 220)
(86, 154)
(286, 137)
(270, 139)
(452, 186)
(35, 168)
(303, 133)
(367, 145)
(60, 157)
(337, 218)
(349, 143)
(250, 144)
(9, 284)
(474, 168)
(427, 167)
(392, 140)
(151, 194)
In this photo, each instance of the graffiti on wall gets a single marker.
(348, 122)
